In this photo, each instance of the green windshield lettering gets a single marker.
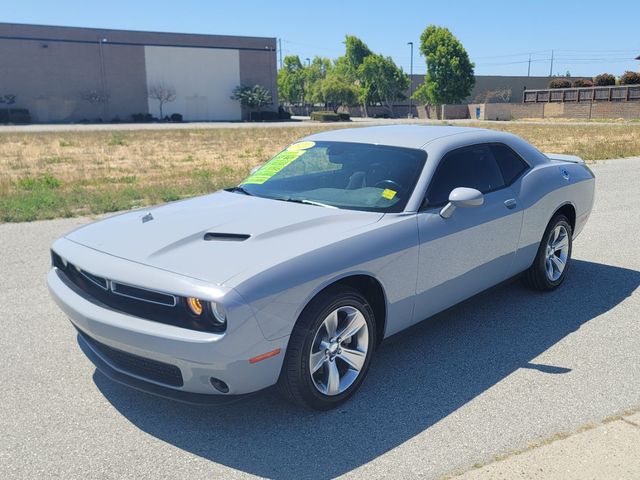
(273, 166)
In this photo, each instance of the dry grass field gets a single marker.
(60, 174)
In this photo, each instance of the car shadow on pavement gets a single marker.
(417, 378)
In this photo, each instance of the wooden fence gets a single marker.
(622, 93)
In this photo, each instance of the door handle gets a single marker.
(511, 203)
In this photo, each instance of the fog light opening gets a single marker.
(219, 385)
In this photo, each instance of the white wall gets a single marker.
(204, 79)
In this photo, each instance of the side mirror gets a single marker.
(462, 197)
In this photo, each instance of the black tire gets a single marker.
(536, 276)
(295, 382)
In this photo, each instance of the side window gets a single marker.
(510, 163)
(472, 167)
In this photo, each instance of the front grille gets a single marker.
(143, 294)
(140, 366)
(140, 302)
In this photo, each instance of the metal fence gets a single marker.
(623, 93)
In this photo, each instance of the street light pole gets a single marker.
(305, 102)
(411, 83)
(103, 80)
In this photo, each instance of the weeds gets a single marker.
(44, 176)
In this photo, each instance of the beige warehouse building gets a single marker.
(69, 74)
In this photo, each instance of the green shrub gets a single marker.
(283, 114)
(344, 117)
(176, 117)
(582, 82)
(325, 116)
(630, 78)
(265, 116)
(560, 83)
(604, 79)
(142, 117)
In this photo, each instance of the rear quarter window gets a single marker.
(510, 163)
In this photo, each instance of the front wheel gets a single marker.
(552, 260)
(330, 350)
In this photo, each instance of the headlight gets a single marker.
(219, 313)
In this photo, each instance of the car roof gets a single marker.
(410, 136)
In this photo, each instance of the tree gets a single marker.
(560, 83)
(162, 93)
(336, 91)
(254, 97)
(382, 81)
(630, 78)
(314, 75)
(291, 79)
(582, 82)
(604, 79)
(347, 66)
(449, 77)
(355, 51)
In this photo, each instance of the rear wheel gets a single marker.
(552, 260)
(330, 350)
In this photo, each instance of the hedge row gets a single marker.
(602, 80)
(330, 117)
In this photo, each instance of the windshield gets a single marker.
(347, 175)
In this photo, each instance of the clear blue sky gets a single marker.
(589, 37)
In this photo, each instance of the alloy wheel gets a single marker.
(557, 253)
(339, 350)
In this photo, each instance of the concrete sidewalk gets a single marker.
(609, 450)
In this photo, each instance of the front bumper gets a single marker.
(199, 356)
(153, 388)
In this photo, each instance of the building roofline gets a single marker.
(75, 33)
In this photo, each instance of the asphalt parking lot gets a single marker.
(504, 369)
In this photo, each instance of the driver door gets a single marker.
(474, 249)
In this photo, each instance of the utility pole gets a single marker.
(280, 50)
(411, 83)
(103, 80)
(529, 68)
(551, 68)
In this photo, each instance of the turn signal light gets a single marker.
(195, 305)
(264, 356)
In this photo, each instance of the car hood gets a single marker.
(218, 236)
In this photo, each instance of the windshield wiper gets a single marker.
(240, 189)
(306, 202)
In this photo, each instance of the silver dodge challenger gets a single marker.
(295, 276)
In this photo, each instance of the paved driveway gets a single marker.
(491, 375)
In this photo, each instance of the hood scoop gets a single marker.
(225, 237)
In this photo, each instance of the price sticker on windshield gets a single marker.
(273, 166)
(295, 147)
(388, 194)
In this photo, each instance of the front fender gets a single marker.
(388, 253)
